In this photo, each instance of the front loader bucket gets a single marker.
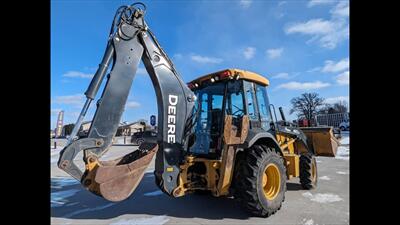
(322, 140)
(116, 180)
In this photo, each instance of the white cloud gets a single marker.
(334, 67)
(303, 86)
(315, 69)
(55, 112)
(274, 52)
(249, 52)
(281, 76)
(245, 3)
(205, 59)
(343, 78)
(77, 74)
(69, 99)
(132, 104)
(342, 9)
(333, 100)
(141, 71)
(312, 27)
(281, 3)
(279, 15)
(177, 56)
(329, 33)
(312, 3)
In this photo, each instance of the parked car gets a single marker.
(345, 125)
(146, 136)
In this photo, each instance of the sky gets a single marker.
(300, 46)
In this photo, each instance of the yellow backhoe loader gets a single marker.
(217, 133)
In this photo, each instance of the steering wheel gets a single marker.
(239, 110)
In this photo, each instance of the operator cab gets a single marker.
(231, 92)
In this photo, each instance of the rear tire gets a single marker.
(260, 180)
(308, 171)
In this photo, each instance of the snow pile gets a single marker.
(322, 198)
(345, 141)
(343, 151)
(155, 220)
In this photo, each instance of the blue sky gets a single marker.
(300, 46)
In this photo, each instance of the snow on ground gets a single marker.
(341, 172)
(155, 220)
(322, 198)
(308, 222)
(343, 151)
(58, 198)
(88, 210)
(153, 193)
(122, 140)
(324, 178)
(58, 183)
(55, 153)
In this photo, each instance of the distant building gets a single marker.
(67, 129)
(124, 129)
(84, 128)
(128, 129)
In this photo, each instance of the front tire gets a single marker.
(260, 181)
(308, 171)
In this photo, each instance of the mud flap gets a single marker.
(116, 180)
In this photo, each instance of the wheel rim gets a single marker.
(314, 171)
(271, 181)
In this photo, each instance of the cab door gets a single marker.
(236, 123)
(263, 107)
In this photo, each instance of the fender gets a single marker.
(257, 134)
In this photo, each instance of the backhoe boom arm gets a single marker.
(131, 42)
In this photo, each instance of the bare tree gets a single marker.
(341, 107)
(306, 105)
(338, 107)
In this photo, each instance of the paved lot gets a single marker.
(71, 204)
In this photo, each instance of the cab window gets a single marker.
(263, 106)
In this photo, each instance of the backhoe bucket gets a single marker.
(116, 180)
(322, 140)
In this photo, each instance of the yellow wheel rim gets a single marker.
(313, 171)
(271, 181)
